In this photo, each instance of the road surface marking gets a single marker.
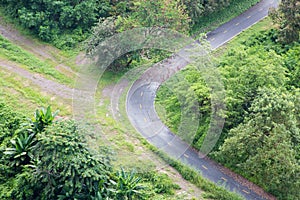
(141, 106)
(248, 16)
(237, 24)
(212, 39)
(169, 144)
(223, 178)
(225, 31)
(246, 191)
(260, 9)
(142, 93)
(185, 155)
(204, 167)
(145, 119)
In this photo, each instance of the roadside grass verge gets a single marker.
(21, 95)
(261, 26)
(212, 191)
(221, 16)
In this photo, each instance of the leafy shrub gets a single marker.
(127, 185)
(64, 165)
(43, 118)
(49, 19)
(161, 183)
(20, 153)
(10, 121)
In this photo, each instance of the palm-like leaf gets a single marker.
(43, 118)
(127, 185)
(20, 152)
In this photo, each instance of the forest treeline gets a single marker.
(65, 22)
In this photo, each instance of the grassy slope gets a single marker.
(31, 62)
(22, 95)
(25, 97)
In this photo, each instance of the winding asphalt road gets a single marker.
(142, 114)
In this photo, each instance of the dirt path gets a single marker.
(42, 51)
(43, 83)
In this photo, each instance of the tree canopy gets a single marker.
(49, 19)
(265, 147)
(288, 19)
(260, 139)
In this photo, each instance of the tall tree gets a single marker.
(142, 14)
(244, 71)
(156, 13)
(288, 18)
(265, 146)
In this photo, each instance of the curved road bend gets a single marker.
(142, 114)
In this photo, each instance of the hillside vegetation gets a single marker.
(44, 158)
(65, 23)
(48, 157)
(261, 136)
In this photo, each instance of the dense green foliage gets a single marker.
(265, 147)
(261, 78)
(288, 19)
(174, 107)
(49, 19)
(65, 23)
(145, 13)
(151, 13)
(46, 159)
(199, 10)
(9, 122)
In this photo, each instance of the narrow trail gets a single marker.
(37, 79)
(42, 51)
